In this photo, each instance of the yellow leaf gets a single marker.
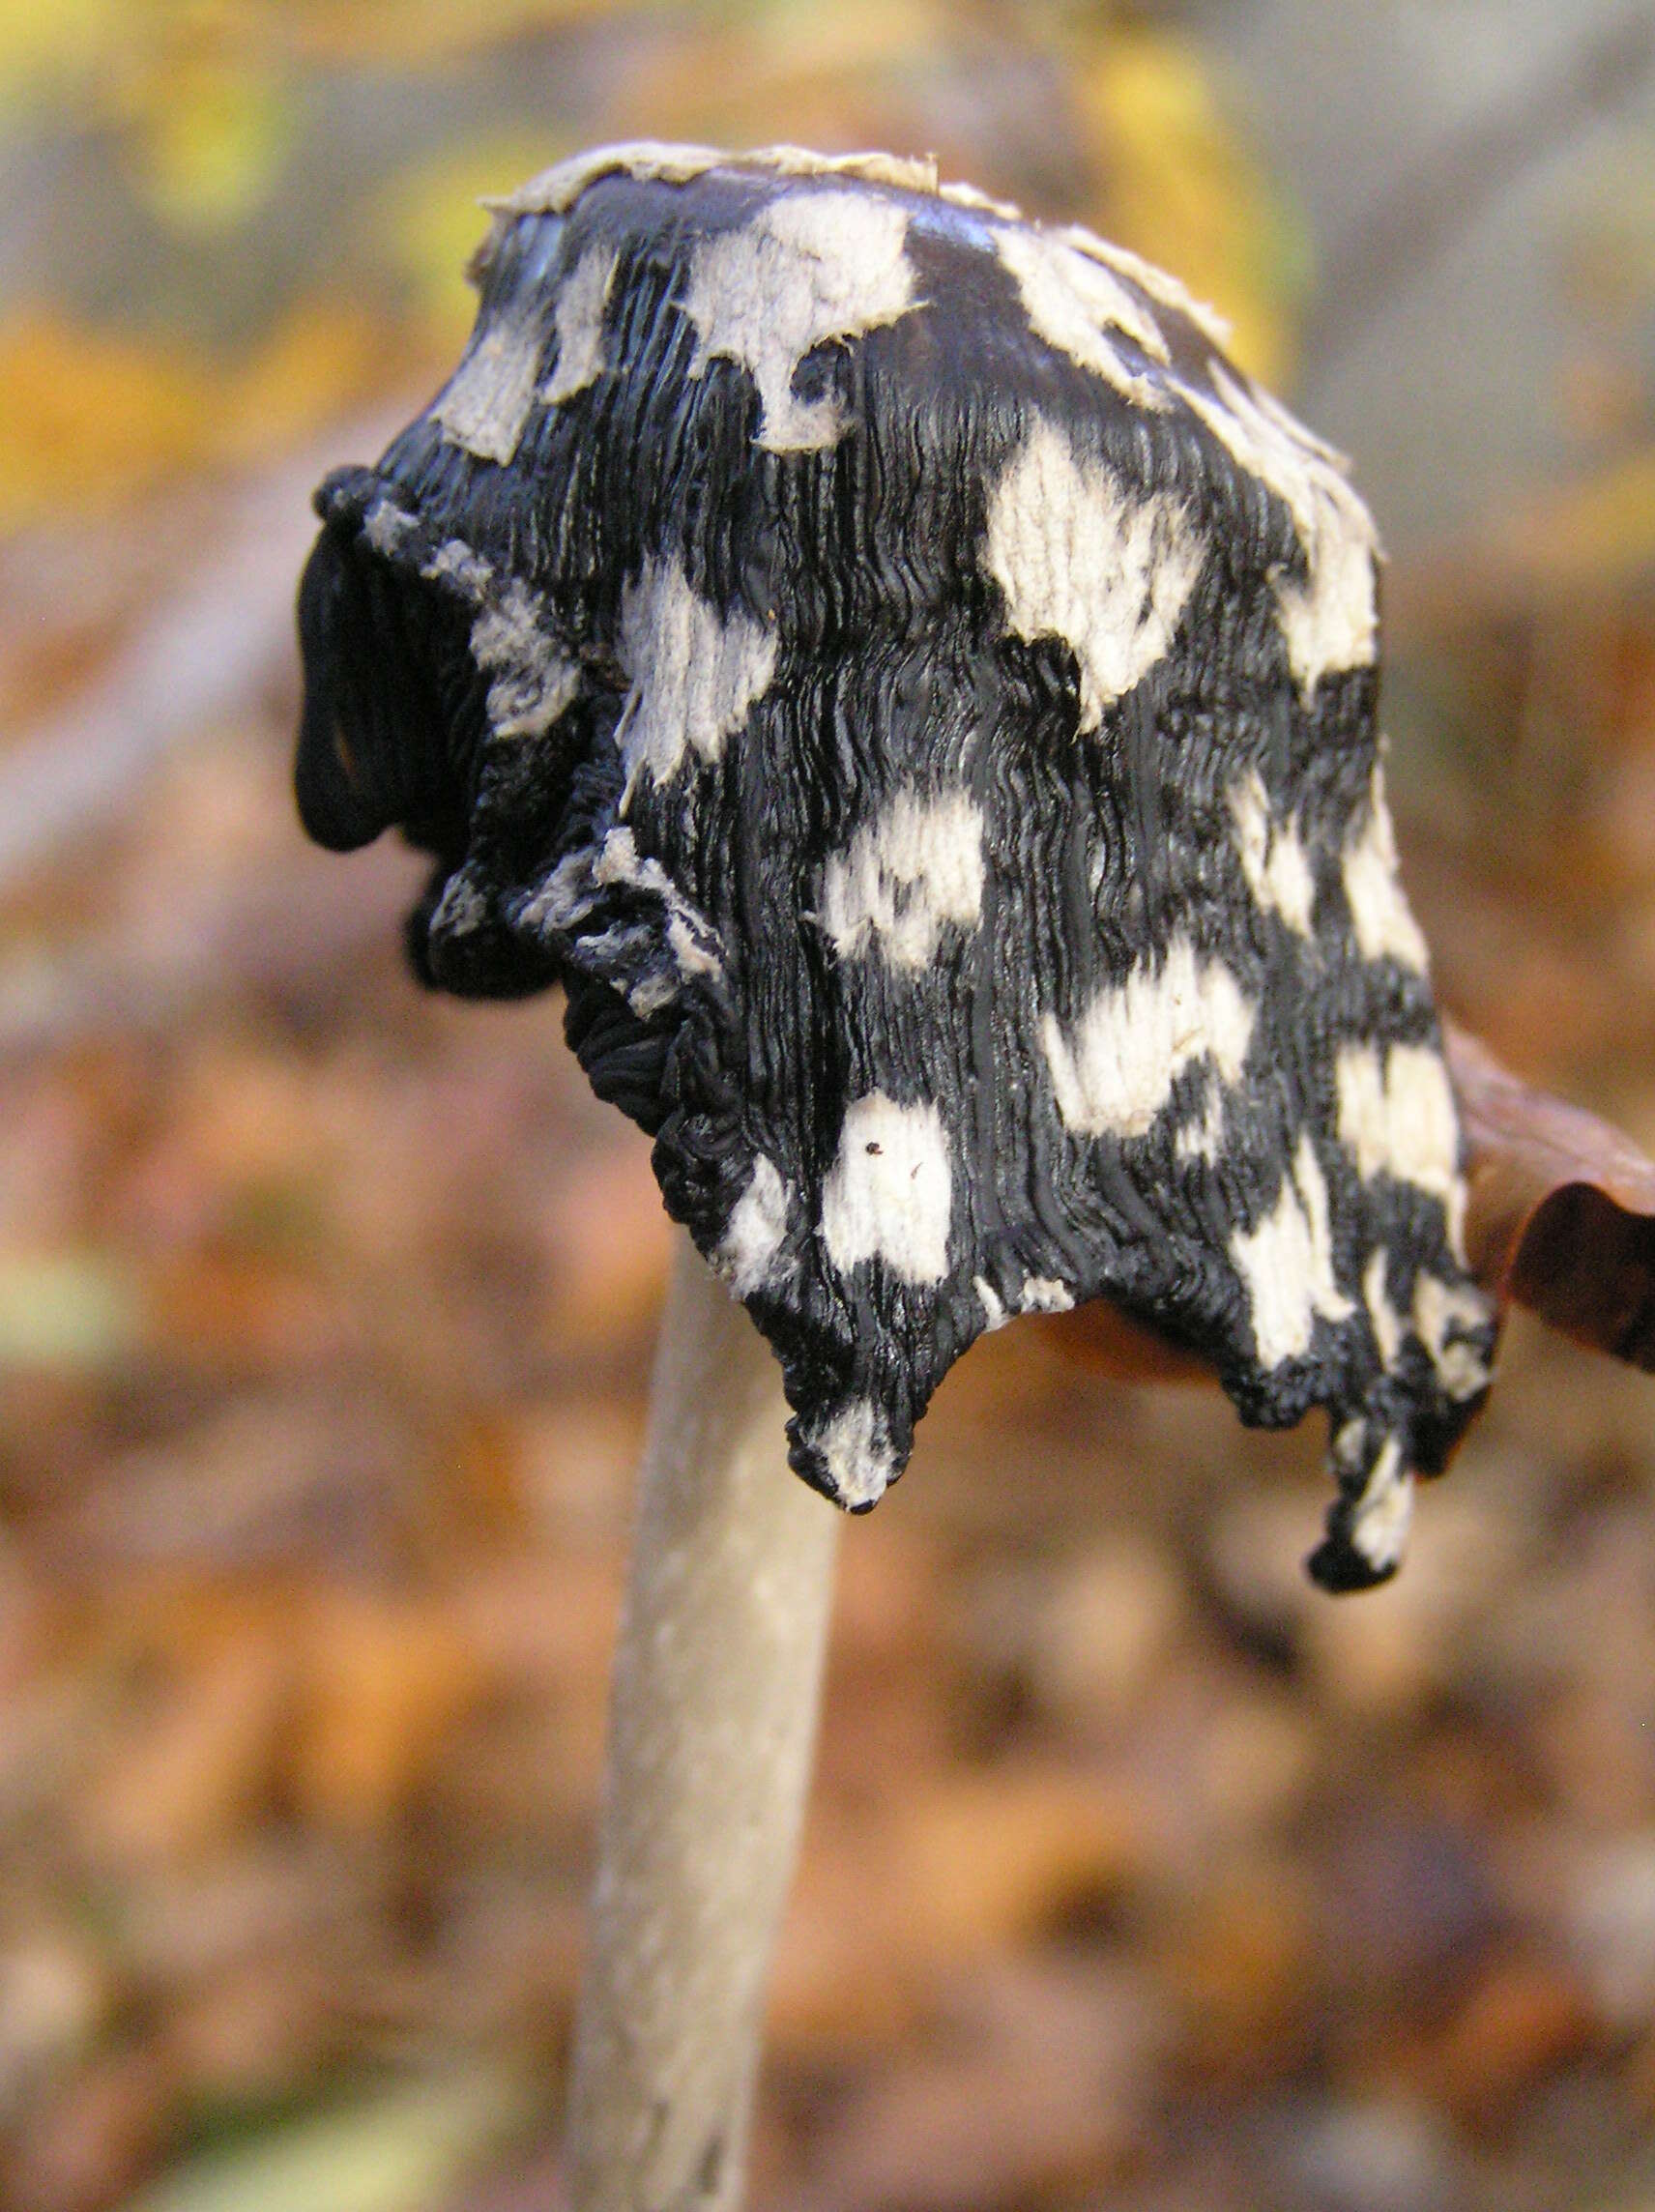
(404, 2150)
(324, 356)
(44, 42)
(818, 76)
(427, 32)
(65, 1311)
(212, 135)
(1599, 533)
(1178, 189)
(429, 221)
(388, 1681)
(88, 416)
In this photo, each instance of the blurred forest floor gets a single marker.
(1139, 1876)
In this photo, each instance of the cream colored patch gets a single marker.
(652, 993)
(461, 910)
(1040, 1294)
(387, 526)
(1287, 1264)
(555, 191)
(579, 324)
(570, 892)
(691, 939)
(856, 1452)
(1329, 622)
(531, 680)
(889, 1195)
(905, 878)
(1079, 558)
(1439, 1309)
(1382, 1316)
(1155, 282)
(1350, 1446)
(979, 202)
(532, 683)
(1273, 857)
(1082, 309)
(695, 674)
(1384, 928)
(1397, 1115)
(458, 563)
(753, 1237)
(808, 268)
(488, 399)
(1202, 1139)
(1115, 1071)
(564, 899)
(1383, 1514)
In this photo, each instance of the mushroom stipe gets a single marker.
(919, 699)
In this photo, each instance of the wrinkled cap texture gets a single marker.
(917, 698)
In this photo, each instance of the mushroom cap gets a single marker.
(918, 698)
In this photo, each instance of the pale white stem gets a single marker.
(712, 1730)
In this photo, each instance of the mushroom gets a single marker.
(918, 698)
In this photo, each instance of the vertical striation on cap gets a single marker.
(918, 700)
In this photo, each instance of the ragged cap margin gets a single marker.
(650, 161)
(1133, 507)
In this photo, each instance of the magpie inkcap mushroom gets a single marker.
(918, 698)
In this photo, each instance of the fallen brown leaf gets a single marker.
(1029, 2099)
(1563, 1207)
(389, 1680)
(943, 1875)
(1523, 2019)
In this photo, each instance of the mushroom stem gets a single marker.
(713, 1728)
